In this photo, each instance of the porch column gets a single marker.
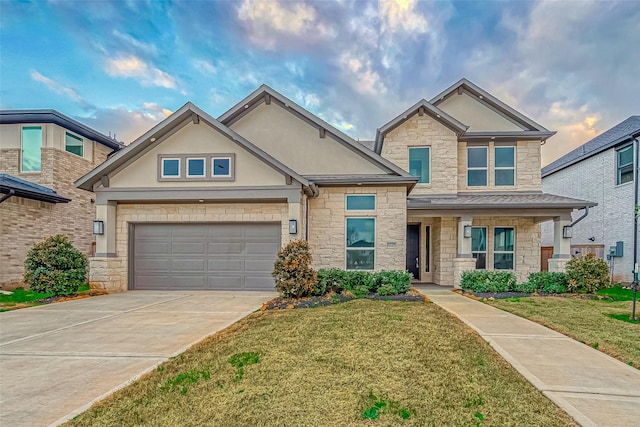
(561, 245)
(106, 243)
(295, 213)
(464, 260)
(107, 270)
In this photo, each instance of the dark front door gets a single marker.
(413, 250)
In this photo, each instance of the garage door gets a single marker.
(236, 256)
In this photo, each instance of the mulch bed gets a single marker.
(280, 303)
(507, 295)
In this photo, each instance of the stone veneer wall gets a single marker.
(425, 131)
(26, 222)
(327, 223)
(112, 273)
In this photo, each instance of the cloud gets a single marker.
(62, 89)
(400, 15)
(203, 66)
(133, 67)
(135, 44)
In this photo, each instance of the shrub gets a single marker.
(587, 274)
(527, 287)
(487, 281)
(360, 279)
(385, 290)
(330, 280)
(55, 266)
(400, 281)
(549, 282)
(292, 271)
(359, 283)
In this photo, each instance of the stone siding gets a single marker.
(327, 223)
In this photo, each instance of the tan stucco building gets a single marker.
(449, 185)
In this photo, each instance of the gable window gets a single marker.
(361, 236)
(73, 144)
(503, 248)
(170, 167)
(419, 164)
(221, 166)
(479, 246)
(31, 148)
(624, 165)
(476, 166)
(505, 166)
(361, 202)
(195, 168)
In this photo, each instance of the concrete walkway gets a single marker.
(57, 360)
(593, 388)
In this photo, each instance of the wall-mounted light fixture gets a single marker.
(467, 231)
(567, 232)
(98, 228)
(293, 226)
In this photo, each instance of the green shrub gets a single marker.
(331, 280)
(359, 283)
(359, 279)
(292, 271)
(587, 274)
(527, 287)
(400, 281)
(548, 282)
(487, 281)
(385, 290)
(54, 266)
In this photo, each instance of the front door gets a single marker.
(413, 250)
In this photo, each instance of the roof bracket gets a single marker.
(460, 90)
(267, 99)
(104, 180)
(195, 118)
(288, 179)
(323, 132)
(421, 111)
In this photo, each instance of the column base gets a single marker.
(460, 265)
(108, 274)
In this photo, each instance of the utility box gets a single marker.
(617, 250)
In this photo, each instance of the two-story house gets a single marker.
(42, 153)
(452, 184)
(605, 166)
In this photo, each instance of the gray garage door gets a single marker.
(236, 256)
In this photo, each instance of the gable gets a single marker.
(197, 140)
(298, 144)
(479, 116)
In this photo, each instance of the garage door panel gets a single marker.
(229, 256)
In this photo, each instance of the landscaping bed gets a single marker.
(21, 298)
(281, 303)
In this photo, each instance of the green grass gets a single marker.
(597, 323)
(617, 293)
(358, 363)
(26, 298)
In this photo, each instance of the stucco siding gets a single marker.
(476, 115)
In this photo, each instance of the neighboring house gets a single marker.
(42, 153)
(601, 170)
(204, 203)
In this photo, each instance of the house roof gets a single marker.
(266, 94)
(463, 201)
(420, 107)
(362, 179)
(619, 134)
(29, 190)
(485, 97)
(53, 116)
(187, 113)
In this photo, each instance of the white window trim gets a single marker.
(179, 167)
(409, 157)
(204, 167)
(375, 239)
(630, 146)
(230, 174)
(486, 246)
(486, 168)
(22, 146)
(73, 135)
(496, 168)
(375, 203)
(494, 252)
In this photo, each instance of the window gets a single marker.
(170, 168)
(31, 147)
(361, 234)
(476, 166)
(624, 165)
(503, 248)
(73, 144)
(195, 168)
(221, 167)
(361, 203)
(479, 246)
(505, 165)
(419, 164)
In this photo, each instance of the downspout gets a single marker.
(314, 192)
(586, 212)
(12, 192)
(635, 226)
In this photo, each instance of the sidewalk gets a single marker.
(593, 388)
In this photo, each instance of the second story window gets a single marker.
(73, 144)
(221, 166)
(624, 165)
(505, 166)
(170, 168)
(477, 166)
(195, 168)
(361, 202)
(31, 147)
(419, 163)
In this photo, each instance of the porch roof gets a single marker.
(465, 201)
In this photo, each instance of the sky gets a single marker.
(122, 66)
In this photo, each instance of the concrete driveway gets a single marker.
(59, 359)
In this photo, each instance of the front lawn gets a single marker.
(21, 298)
(603, 324)
(358, 363)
